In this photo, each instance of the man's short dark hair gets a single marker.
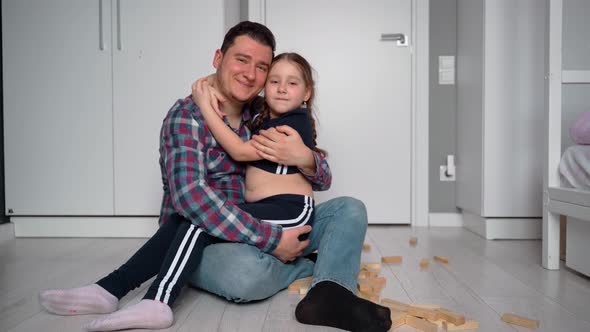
(256, 31)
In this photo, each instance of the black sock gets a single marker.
(330, 304)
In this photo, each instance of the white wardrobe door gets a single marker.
(57, 107)
(364, 93)
(164, 47)
(514, 106)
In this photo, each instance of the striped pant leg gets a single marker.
(182, 258)
(145, 263)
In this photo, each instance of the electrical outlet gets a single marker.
(443, 174)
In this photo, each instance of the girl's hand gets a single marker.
(207, 97)
(283, 145)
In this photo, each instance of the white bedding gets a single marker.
(575, 167)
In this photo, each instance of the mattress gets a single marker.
(575, 167)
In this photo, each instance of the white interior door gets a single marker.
(57, 107)
(160, 48)
(363, 94)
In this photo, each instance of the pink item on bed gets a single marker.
(575, 167)
(580, 131)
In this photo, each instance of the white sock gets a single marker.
(91, 299)
(147, 314)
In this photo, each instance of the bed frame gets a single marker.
(556, 200)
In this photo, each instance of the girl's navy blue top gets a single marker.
(298, 119)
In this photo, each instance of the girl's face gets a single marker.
(285, 89)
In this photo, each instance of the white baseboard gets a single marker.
(6, 232)
(504, 228)
(143, 227)
(445, 220)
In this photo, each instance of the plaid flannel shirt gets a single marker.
(203, 184)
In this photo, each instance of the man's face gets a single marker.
(242, 69)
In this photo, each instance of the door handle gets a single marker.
(119, 43)
(402, 39)
(100, 27)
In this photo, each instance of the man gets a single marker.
(203, 185)
(241, 272)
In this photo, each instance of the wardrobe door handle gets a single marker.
(100, 27)
(119, 46)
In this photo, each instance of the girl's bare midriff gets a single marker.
(261, 184)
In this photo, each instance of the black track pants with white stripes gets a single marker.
(172, 253)
(183, 257)
(175, 251)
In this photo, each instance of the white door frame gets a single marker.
(419, 39)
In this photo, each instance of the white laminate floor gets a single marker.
(483, 280)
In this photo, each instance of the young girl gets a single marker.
(275, 193)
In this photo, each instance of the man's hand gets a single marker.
(290, 247)
(283, 145)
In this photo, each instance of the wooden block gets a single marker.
(297, 284)
(395, 305)
(421, 324)
(377, 281)
(371, 267)
(369, 297)
(520, 321)
(426, 306)
(451, 317)
(376, 290)
(371, 285)
(398, 319)
(365, 288)
(413, 241)
(391, 259)
(424, 263)
(303, 290)
(422, 313)
(364, 281)
(438, 322)
(442, 259)
(363, 274)
(366, 247)
(469, 325)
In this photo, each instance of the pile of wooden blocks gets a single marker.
(427, 317)
(370, 284)
(424, 317)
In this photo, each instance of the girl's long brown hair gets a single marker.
(307, 73)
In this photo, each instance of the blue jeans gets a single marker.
(242, 273)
